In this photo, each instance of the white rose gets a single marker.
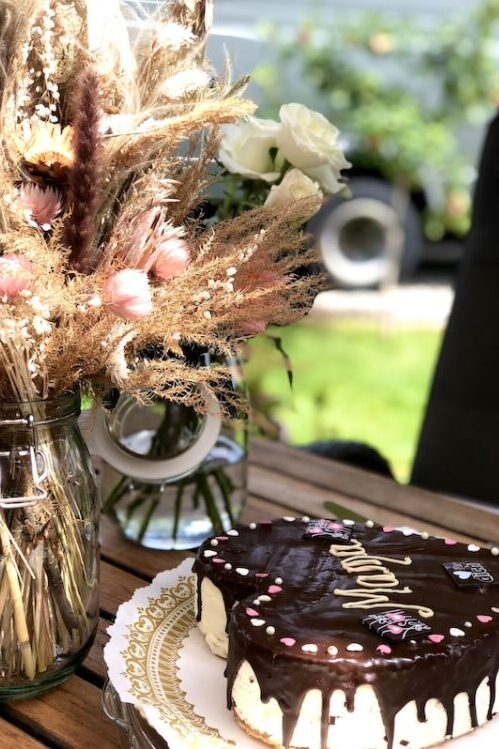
(246, 149)
(295, 186)
(310, 142)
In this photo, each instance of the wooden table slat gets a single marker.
(12, 737)
(69, 717)
(480, 521)
(300, 497)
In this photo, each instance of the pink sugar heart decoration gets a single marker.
(450, 542)
(436, 638)
(394, 629)
(252, 612)
(288, 641)
(217, 560)
(262, 574)
(484, 619)
(388, 529)
(384, 649)
(396, 617)
(273, 589)
(222, 538)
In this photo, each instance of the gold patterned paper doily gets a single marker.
(150, 658)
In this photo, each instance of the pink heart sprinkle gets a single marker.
(436, 638)
(484, 619)
(388, 529)
(262, 574)
(217, 560)
(396, 617)
(395, 629)
(252, 613)
(384, 649)
(273, 589)
(288, 641)
(450, 541)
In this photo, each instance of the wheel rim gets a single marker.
(362, 242)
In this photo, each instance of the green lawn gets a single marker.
(351, 381)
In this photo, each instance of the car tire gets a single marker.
(373, 239)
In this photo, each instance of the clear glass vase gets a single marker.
(177, 512)
(49, 544)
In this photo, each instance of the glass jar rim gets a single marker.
(40, 412)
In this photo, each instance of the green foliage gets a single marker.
(400, 90)
(351, 381)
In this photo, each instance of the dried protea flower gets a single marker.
(41, 204)
(46, 148)
(170, 258)
(16, 275)
(128, 295)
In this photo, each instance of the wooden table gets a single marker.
(282, 482)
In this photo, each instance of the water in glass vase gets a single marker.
(181, 514)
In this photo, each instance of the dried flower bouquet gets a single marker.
(107, 272)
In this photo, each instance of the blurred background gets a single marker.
(412, 85)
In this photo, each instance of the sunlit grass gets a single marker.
(351, 381)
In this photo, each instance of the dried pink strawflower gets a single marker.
(128, 294)
(16, 275)
(170, 258)
(42, 204)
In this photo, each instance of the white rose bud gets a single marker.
(311, 143)
(295, 186)
(246, 149)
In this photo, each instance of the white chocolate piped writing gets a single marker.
(373, 588)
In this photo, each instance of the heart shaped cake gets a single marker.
(348, 636)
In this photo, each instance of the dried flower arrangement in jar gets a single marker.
(107, 278)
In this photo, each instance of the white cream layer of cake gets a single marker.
(213, 623)
(361, 729)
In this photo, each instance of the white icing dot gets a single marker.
(232, 533)
(214, 542)
(252, 526)
(278, 581)
(468, 624)
(306, 519)
(289, 519)
(227, 566)
(369, 524)
(425, 535)
(258, 622)
(208, 553)
(455, 632)
(332, 650)
(354, 647)
(494, 551)
(473, 547)
(256, 602)
(265, 598)
(242, 571)
(310, 648)
(270, 631)
(348, 522)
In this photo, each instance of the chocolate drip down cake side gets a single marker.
(346, 636)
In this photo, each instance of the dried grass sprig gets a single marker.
(84, 179)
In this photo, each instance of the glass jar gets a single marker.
(49, 544)
(136, 733)
(194, 476)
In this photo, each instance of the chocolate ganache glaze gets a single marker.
(333, 605)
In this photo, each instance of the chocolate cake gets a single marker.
(348, 636)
